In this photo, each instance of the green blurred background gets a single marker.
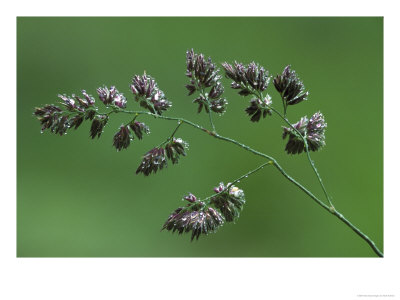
(80, 197)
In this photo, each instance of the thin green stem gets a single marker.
(359, 232)
(203, 93)
(210, 117)
(176, 129)
(163, 143)
(134, 118)
(171, 136)
(208, 108)
(277, 166)
(260, 95)
(238, 180)
(207, 201)
(284, 105)
(308, 155)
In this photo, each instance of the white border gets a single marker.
(133, 278)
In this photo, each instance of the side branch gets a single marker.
(308, 154)
(277, 166)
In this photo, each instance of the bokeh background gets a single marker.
(78, 197)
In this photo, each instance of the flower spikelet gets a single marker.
(247, 78)
(195, 218)
(229, 201)
(122, 138)
(175, 148)
(259, 108)
(290, 87)
(111, 96)
(313, 130)
(148, 94)
(153, 161)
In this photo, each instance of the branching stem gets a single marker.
(283, 117)
(308, 154)
(238, 180)
(271, 160)
(176, 129)
(210, 117)
(207, 200)
(208, 108)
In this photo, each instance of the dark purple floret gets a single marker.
(47, 115)
(218, 105)
(191, 88)
(111, 96)
(203, 72)
(316, 132)
(202, 221)
(139, 128)
(290, 87)
(191, 198)
(61, 126)
(122, 138)
(216, 91)
(89, 114)
(153, 161)
(68, 102)
(175, 148)
(259, 108)
(58, 120)
(228, 201)
(76, 121)
(51, 117)
(98, 124)
(148, 94)
(247, 78)
(313, 130)
(202, 102)
(204, 75)
(86, 101)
